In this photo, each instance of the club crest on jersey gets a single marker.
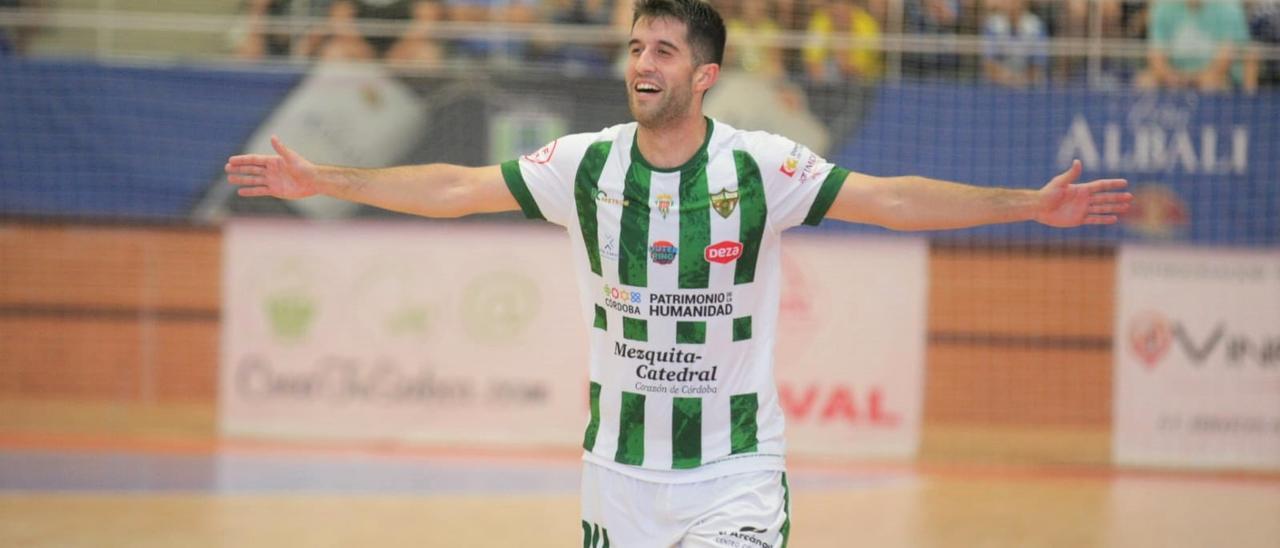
(724, 252)
(663, 203)
(544, 154)
(724, 202)
(663, 252)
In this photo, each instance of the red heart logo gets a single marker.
(1149, 337)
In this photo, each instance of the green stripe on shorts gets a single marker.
(786, 507)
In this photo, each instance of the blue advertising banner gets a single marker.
(1204, 168)
(83, 139)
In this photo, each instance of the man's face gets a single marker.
(660, 71)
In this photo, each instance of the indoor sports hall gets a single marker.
(182, 366)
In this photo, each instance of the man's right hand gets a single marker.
(288, 175)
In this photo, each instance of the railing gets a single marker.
(108, 24)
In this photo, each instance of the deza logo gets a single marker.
(1152, 335)
(724, 252)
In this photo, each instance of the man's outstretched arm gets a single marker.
(920, 203)
(434, 190)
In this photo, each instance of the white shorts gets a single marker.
(750, 510)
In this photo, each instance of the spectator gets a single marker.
(15, 40)
(1264, 26)
(1015, 45)
(751, 50)
(1197, 44)
(498, 12)
(253, 39)
(931, 17)
(581, 58)
(343, 40)
(842, 19)
(1073, 19)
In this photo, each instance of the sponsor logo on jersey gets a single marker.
(622, 299)
(663, 203)
(724, 252)
(663, 252)
(792, 162)
(789, 166)
(724, 202)
(691, 305)
(544, 154)
(604, 197)
(609, 248)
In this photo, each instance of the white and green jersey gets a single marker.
(679, 274)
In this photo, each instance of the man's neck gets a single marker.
(672, 145)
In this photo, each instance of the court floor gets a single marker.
(253, 495)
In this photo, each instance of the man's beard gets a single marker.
(671, 108)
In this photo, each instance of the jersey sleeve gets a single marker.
(542, 182)
(799, 185)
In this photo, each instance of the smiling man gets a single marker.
(675, 221)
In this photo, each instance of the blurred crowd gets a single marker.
(1194, 44)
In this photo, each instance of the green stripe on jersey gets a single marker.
(695, 227)
(742, 328)
(602, 318)
(593, 426)
(520, 190)
(752, 212)
(586, 187)
(631, 430)
(586, 534)
(633, 244)
(691, 332)
(686, 433)
(743, 429)
(826, 196)
(635, 329)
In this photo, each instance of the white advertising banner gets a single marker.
(851, 346)
(462, 333)
(1197, 359)
(471, 333)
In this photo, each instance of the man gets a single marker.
(1015, 46)
(836, 20)
(1198, 45)
(675, 221)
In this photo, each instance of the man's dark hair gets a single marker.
(706, 29)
